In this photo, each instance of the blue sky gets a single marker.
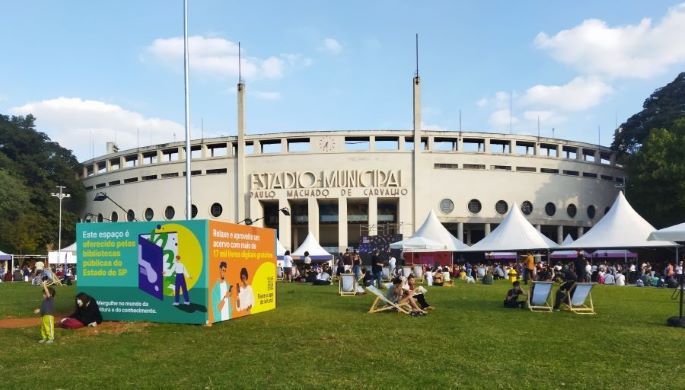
(93, 72)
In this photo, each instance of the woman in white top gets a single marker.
(288, 266)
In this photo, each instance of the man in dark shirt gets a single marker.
(566, 287)
(512, 298)
(377, 267)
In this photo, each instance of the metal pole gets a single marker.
(60, 195)
(187, 107)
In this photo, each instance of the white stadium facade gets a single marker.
(341, 185)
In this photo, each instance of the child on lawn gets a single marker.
(47, 328)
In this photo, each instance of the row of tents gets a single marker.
(621, 228)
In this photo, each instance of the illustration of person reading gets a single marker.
(221, 296)
(245, 294)
(181, 274)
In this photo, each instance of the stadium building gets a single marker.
(342, 185)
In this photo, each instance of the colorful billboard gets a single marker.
(195, 272)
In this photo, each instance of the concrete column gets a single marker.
(160, 157)
(460, 231)
(203, 151)
(373, 216)
(468, 237)
(486, 145)
(460, 144)
(256, 211)
(579, 154)
(537, 149)
(256, 147)
(372, 143)
(560, 234)
(182, 154)
(401, 140)
(559, 151)
(581, 231)
(284, 145)
(284, 225)
(430, 143)
(313, 216)
(486, 227)
(512, 145)
(342, 224)
(598, 157)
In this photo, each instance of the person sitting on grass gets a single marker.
(398, 296)
(367, 278)
(512, 298)
(322, 278)
(87, 313)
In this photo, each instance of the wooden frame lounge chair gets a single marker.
(347, 285)
(579, 299)
(540, 296)
(381, 303)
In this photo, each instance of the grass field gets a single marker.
(318, 339)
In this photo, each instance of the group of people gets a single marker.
(36, 272)
(405, 291)
(86, 313)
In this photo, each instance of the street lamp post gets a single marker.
(60, 195)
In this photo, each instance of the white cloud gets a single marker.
(267, 95)
(331, 46)
(482, 102)
(500, 119)
(545, 117)
(429, 126)
(641, 50)
(579, 94)
(219, 57)
(73, 121)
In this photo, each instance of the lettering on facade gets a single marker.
(322, 184)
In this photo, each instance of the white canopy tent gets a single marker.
(311, 245)
(671, 233)
(565, 254)
(622, 227)
(432, 236)
(280, 252)
(418, 244)
(8, 258)
(515, 233)
(58, 257)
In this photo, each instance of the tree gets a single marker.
(31, 166)
(656, 186)
(660, 110)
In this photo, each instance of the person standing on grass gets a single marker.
(392, 262)
(288, 266)
(356, 264)
(529, 270)
(377, 268)
(46, 311)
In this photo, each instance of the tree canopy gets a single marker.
(31, 168)
(651, 145)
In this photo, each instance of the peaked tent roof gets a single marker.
(280, 249)
(515, 233)
(311, 245)
(433, 231)
(673, 233)
(5, 256)
(565, 254)
(622, 227)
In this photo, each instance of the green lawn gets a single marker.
(318, 339)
